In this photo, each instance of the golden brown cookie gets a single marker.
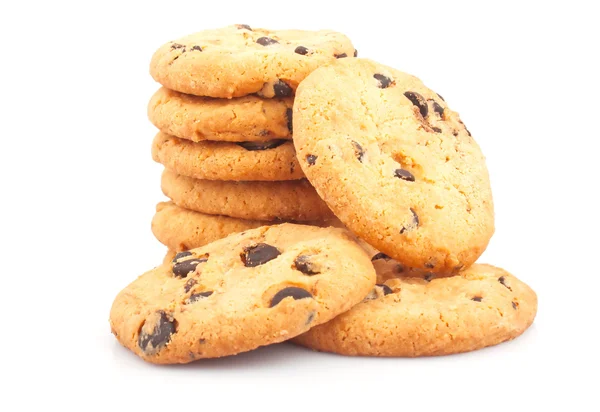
(394, 164)
(256, 288)
(248, 118)
(409, 314)
(292, 200)
(238, 60)
(250, 161)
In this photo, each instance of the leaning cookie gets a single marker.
(238, 60)
(292, 200)
(248, 118)
(394, 164)
(412, 314)
(252, 289)
(248, 161)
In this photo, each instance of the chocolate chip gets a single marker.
(413, 225)
(301, 50)
(181, 255)
(153, 341)
(399, 268)
(340, 56)
(183, 269)
(358, 150)
(437, 129)
(386, 289)
(514, 305)
(418, 101)
(293, 292)
(243, 26)
(282, 89)
(355, 53)
(304, 265)
(266, 41)
(197, 296)
(428, 277)
(311, 159)
(384, 81)
(196, 48)
(438, 109)
(404, 175)
(311, 317)
(476, 298)
(259, 254)
(289, 113)
(254, 146)
(429, 265)
(175, 46)
(440, 96)
(502, 280)
(380, 255)
(189, 284)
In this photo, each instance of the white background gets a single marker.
(79, 190)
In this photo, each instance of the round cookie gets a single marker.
(292, 200)
(394, 164)
(256, 161)
(238, 60)
(248, 118)
(408, 316)
(255, 288)
(181, 229)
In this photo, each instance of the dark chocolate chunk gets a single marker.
(502, 280)
(259, 254)
(386, 289)
(311, 317)
(384, 81)
(189, 284)
(289, 113)
(304, 265)
(476, 298)
(429, 265)
(404, 175)
(311, 159)
(380, 255)
(153, 341)
(355, 53)
(196, 48)
(183, 268)
(292, 291)
(514, 305)
(341, 56)
(175, 46)
(254, 146)
(282, 89)
(438, 109)
(437, 129)
(243, 26)
(301, 50)
(428, 277)
(197, 296)
(418, 101)
(358, 150)
(181, 255)
(266, 41)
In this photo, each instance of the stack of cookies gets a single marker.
(225, 120)
(378, 149)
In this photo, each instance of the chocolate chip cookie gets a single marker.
(239, 60)
(418, 314)
(395, 164)
(256, 288)
(249, 161)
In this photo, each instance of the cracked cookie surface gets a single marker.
(394, 164)
(256, 288)
(293, 200)
(248, 118)
(411, 313)
(239, 60)
(248, 161)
